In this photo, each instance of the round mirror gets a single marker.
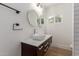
(32, 18)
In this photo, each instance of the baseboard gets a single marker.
(60, 45)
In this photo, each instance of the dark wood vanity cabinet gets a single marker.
(29, 50)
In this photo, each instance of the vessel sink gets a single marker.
(38, 37)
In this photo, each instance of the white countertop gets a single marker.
(33, 42)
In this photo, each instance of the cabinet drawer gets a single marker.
(42, 49)
(29, 50)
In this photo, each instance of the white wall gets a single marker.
(9, 39)
(62, 32)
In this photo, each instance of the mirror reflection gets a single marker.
(34, 19)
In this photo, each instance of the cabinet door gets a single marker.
(28, 50)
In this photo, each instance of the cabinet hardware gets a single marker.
(46, 49)
(40, 47)
(46, 44)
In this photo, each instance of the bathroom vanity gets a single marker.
(31, 47)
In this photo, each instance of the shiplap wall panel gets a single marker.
(76, 29)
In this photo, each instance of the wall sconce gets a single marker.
(37, 8)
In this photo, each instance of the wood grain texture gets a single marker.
(58, 52)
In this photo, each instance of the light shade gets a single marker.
(38, 9)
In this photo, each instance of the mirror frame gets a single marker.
(28, 12)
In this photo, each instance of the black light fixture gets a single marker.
(17, 11)
(38, 4)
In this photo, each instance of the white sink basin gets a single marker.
(38, 37)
